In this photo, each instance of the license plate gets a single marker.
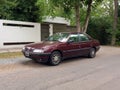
(27, 53)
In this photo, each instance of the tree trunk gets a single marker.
(77, 11)
(87, 16)
(115, 22)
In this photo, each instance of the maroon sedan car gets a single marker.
(60, 46)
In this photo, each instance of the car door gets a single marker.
(72, 47)
(85, 44)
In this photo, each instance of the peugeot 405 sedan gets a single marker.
(60, 46)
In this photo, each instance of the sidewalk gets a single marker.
(4, 50)
(11, 60)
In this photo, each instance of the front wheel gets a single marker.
(55, 58)
(92, 53)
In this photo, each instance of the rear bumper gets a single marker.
(42, 57)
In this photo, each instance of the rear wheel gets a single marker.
(92, 53)
(55, 58)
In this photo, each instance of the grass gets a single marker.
(10, 55)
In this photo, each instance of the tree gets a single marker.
(97, 29)
(2, 1)
(115, 22)
(76, 6)
(25, 10)
(43, 8)
(107, 10)
(6, 9)
(22, 10)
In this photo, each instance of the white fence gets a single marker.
(17, 33)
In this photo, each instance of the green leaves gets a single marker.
(6, 9)
(22, 10)
(25, 10)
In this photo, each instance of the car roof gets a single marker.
(72, 32)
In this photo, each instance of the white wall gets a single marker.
(19, 33)
(58, 20)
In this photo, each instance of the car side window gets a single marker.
(74, 38)
(83, 38)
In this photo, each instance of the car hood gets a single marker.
(43, 44)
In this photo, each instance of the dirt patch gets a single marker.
(10, 55)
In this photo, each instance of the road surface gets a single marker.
(99, 73)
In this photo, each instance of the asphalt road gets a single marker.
(99, 73)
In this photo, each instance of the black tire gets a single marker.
(92, 53)
(55, 58)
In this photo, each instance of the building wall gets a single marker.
(17, 33)
(59, 28)
(71, 28)
(63, 28)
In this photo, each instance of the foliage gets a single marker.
(25, 10)
(6, 9)
(101, 23)
(97, 28)
(22, 10)
(118, 34)
(101, 19)
(74, 7)
(43, 8)
(119, 13)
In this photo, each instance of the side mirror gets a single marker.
(70, 41)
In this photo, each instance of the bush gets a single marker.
(97, 28)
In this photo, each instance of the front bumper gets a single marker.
(97, 48)
(42, 57)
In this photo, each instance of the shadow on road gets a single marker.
(32, 63)
(74, 59)
(28, 63)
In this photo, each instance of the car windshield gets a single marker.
(61, 37)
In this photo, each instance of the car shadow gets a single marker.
(74, 59)
(31, 63)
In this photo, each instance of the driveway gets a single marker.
(99, 73)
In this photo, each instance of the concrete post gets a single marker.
(51, 29)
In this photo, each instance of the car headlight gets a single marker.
(23, 48)
(38, 51)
